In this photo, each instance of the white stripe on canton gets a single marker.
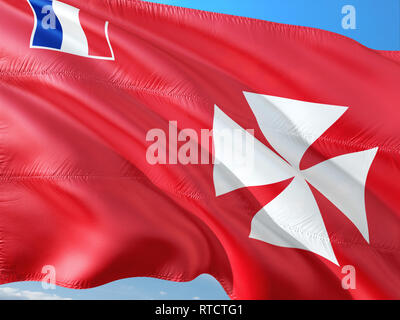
(74, 38)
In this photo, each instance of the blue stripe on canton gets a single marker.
(48, 31)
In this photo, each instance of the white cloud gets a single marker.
(7, 293)
(163, 293)
(196, 298)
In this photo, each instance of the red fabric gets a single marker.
(76, 191)
(94, 29)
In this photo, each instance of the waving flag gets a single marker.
(266, 155)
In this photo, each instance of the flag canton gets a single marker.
(48, 31)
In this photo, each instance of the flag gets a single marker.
(266, 155)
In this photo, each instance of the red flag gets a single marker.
(90, 94)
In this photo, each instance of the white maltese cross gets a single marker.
(292, 219)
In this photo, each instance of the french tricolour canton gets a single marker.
(59, 26)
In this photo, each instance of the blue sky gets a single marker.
(377, 26)
(203, 287)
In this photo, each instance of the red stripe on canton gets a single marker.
(94, 29)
